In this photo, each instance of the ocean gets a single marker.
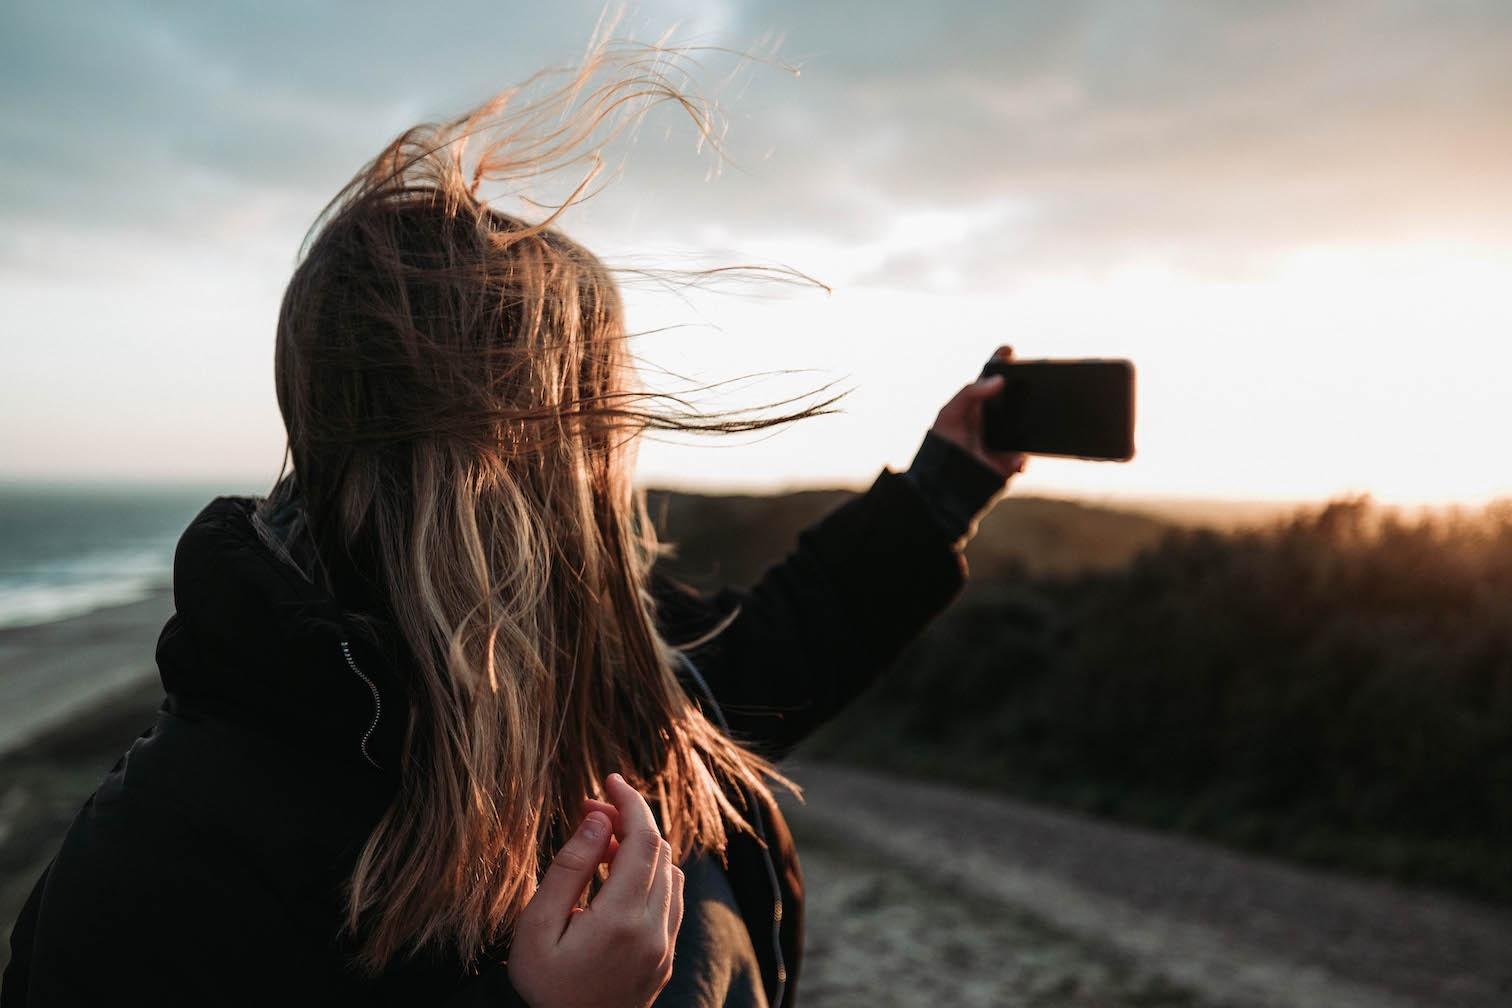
(65, 552)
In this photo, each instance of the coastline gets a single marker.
(73, 695)
(53, 672)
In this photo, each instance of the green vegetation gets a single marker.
(1335, 688)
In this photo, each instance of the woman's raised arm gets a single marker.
(861, 583)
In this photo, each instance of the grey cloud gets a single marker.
(1203, 133)
(106, 110)
(1191, 124)
(1196, 130)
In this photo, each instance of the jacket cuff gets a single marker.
(956, 486)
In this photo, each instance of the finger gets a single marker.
(640, 844)
(570, 872)
(595, 805)
(659, 899)
(1002, 354)
(675, 909)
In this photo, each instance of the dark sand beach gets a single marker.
(73, 695)
(52, 671)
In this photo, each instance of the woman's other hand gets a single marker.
(617, 953)
(960, 421)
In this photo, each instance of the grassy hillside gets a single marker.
(1336, 687)
(731, 539)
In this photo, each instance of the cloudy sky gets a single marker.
(1295, 217)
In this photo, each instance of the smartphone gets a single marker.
(1076, 408)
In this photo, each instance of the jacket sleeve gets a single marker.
(819, 626)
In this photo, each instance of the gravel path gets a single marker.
(1039, 907)
(882, 936)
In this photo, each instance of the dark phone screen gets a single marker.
(1077, 408)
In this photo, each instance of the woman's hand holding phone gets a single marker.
(617, 953)
(960, 421)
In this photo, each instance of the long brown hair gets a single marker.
(460, 399)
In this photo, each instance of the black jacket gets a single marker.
(207, 866)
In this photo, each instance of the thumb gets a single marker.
(571, 870)
(965, 403)
(983, 388)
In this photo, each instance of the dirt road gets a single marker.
(923, 895)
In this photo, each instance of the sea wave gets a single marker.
(82, 584)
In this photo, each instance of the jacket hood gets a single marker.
(255, 642)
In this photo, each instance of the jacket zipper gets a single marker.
(346, 653)
(759, 824)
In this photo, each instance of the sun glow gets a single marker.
(1334, 370)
